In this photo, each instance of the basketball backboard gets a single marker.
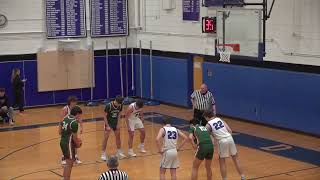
(240, 26)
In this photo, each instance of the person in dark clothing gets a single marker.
(18, 86)
(6, 111)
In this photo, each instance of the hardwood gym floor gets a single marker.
(30, 149)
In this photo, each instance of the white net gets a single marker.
(225, 53)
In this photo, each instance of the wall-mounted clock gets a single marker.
(3, 20)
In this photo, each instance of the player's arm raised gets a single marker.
(158, 139)
(185, 139)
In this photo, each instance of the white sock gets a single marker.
(130, 150)
(119, 151)
(142, 145)
(242, 176)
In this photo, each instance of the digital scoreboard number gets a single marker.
(209, 25)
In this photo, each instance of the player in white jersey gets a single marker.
(226, 146)
(169, 150)
(135, 120)
(71, 102)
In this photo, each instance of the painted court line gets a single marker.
(56, 173)
(33, 126)
(262, 144)
(35, 144)
(287, 173)
(86, 164)
(266, 145)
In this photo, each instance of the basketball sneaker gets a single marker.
(63, 161)
(141, 147)
(104, 157)
(78, 160)
(131, 153)
(120, 155)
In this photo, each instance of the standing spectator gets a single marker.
(113, 173)
(6, 111)
(18, 86)
(202, 100)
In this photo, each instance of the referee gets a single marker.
(202, 100)
(113, 173)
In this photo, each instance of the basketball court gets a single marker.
(30, 151)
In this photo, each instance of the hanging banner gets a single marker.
(65, 18)
(109, 18)
(220, 3)
(191, 10)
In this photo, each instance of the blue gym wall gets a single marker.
(172, 82)
(35, 98)
(275, 97)
(281, 98)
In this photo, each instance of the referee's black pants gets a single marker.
(198, 116)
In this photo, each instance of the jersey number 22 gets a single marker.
(218, 125)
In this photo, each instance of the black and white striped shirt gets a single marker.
(114, 174)
(203, 101)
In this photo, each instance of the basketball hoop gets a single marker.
(226, 50)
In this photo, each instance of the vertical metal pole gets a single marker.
(151, 72)
(264, 25)
(140, 68)
(132, 71)
(24, 89)
(107, 67)
(224, 30)
(127, 81)
(92, 73)
(54, 97)
(121, 75)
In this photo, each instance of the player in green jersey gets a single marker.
(69, 139)
(111, 120)
(203, 143)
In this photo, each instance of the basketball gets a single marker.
(78, 143)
